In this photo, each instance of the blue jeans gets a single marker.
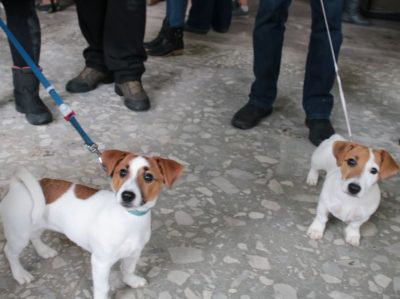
(210, 13)
(319, 78)
(176, 13)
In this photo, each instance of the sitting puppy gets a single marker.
(350, 191)
(111, 225)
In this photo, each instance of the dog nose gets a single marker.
(354, 188)
(128, 196)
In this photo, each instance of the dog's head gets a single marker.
(137, 180)
(361, 167)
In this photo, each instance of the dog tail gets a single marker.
(36, 192)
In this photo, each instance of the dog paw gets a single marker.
(315, 234)
(353, 239)
(45, 251)
(22, 276)
(135, 281)
(312, 178)
(48, 253)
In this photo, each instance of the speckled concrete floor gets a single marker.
(234, 226)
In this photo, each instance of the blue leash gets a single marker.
(66, 111)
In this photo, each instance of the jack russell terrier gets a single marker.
(350, 191)
(111, 225)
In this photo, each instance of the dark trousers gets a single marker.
(205, 14)
(320, 73)
(24, 24)
(114, 30)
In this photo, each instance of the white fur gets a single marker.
(334, 198)
(99, 224)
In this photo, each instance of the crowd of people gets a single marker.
(117, 55)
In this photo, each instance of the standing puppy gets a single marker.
(350, 191)
(111, 225)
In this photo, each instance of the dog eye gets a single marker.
(374, 170)
(148, 177)
(123, 172)
(351, 162)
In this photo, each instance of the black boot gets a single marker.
(171, 44)
(249, 116)
(320, 129)
(27, 101)
(155, 42)
(351, 13)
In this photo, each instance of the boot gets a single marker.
(27, 101)
(171, 44)
(88, 80)
(155, 42)
(351, 13)
(135, 97)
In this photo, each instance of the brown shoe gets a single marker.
(88, 80)
(135, 97)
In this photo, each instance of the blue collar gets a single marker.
(138, 212)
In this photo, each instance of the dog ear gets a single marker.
(388, 166)
(170, 170)
(340, 148)
(111, 158)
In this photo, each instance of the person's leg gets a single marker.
(24, 23)
(124, 51)
(222, 15)
(320, 71)
(351, 13)
(176, 10)
(91, 16)
(267, 44)
(171, 41)
(200, 16)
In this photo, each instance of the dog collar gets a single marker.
(138, 212)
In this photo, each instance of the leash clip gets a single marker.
(94, 149)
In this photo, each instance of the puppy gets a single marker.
(111, 225)
(350, 191)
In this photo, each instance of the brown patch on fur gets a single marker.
(387, 165)
(150, 190)
(53, 189)
(170, 170)
(164, 172)
(111, 158)
(84, 192)
(117, 181)
(346, 150)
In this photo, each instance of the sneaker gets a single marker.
(135, 97)
(249, 116)
(239, 12)
(320, 129)
(88, 80)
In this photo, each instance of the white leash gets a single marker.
(341, 93)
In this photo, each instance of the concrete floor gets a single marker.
(234, 226)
